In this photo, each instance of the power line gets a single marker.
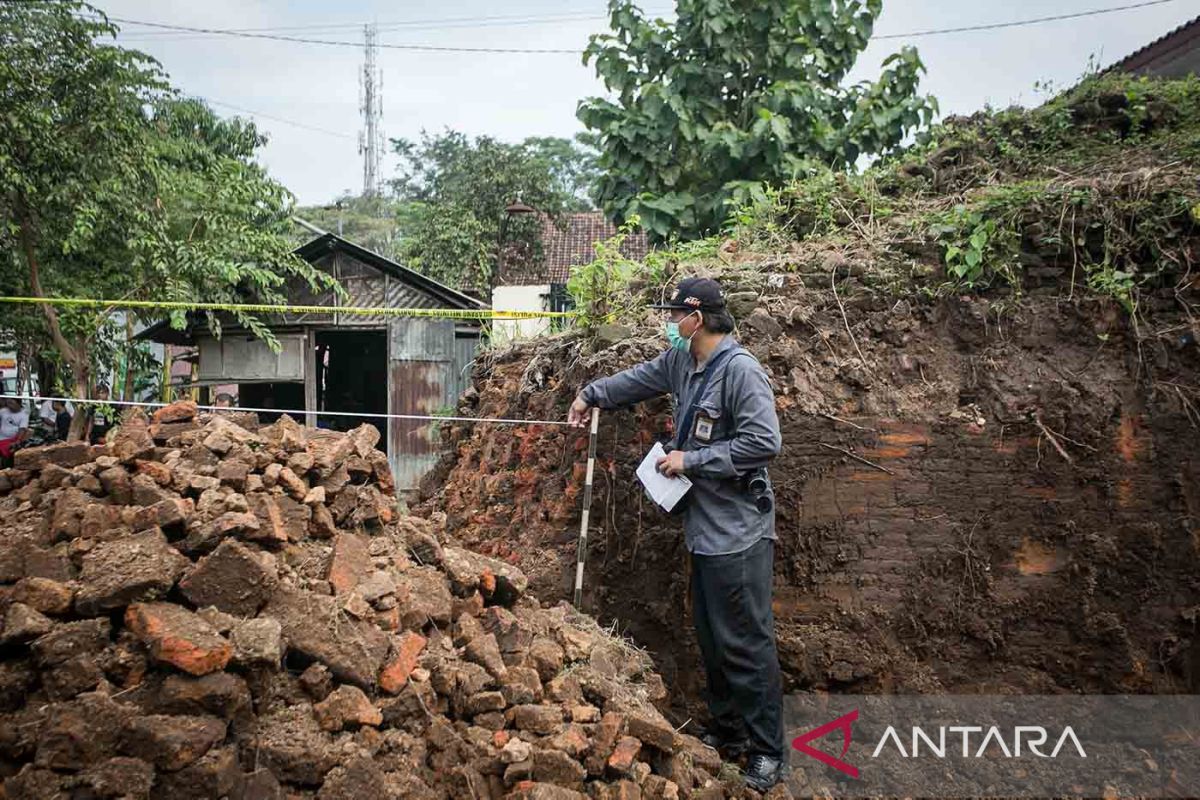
(303, 40)
(1016, 23)
(285, 121)
(247, 34)
(429, 24)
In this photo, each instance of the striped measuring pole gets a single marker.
(581, 550)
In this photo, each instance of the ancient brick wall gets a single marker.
(983, 503)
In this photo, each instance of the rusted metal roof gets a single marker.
(369, 279)
(1173, 54)
(331, 243)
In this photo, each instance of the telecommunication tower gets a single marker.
(370, 139)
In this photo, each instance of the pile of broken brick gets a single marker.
(204, 608)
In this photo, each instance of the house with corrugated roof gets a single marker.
(538, 281)
(333, 366)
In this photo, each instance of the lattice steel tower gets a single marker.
(370, 102)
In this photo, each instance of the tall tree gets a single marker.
(111, 186)
(455, 189)
(733, 93)
(367, 221)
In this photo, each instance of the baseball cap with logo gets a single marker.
(695, 294)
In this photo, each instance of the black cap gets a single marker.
(695, 294)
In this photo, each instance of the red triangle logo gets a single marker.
(843, 723)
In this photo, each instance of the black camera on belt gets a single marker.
(756, 484)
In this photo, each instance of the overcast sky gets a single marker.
(511, 96)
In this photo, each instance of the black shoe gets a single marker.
(728, 746)
(763, 772)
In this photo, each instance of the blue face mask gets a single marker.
(677, 339)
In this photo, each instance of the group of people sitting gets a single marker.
(53, 423)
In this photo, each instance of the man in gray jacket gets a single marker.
(726, 431)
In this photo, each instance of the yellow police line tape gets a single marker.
(253, 308)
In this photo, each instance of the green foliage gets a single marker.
(137, 367)
(602, 288)
(1096, 190)
(966, 262)
(111, 186)
(757, 221)
(371, 222)
(1121, 286)
(448, 243)
(1106, 117)
(977, 244)
(736, 93)
(454, 191)
(219, 229)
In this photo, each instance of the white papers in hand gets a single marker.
(664, 490)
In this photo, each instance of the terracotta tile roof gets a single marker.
(568, 242)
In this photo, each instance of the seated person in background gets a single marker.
(100, 419)
(224, 400)
(46, 415)
(62, 420)
(14, 427)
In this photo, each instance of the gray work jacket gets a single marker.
(735, 430)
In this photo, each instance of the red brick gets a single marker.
(653, 731)
(316, 628)
(172, 742)
(273, 527)
(536, 718)
(132, 440)
(157, 471)
(141, 567)
(349, 563)
(346, 706)
(388, 620)
(234, 578)
(180, 411)
(554, 766)
(572, 740)
(179, 637)
(215, 774)
(624, 754)
(44, 595)
(292, 484)
(65, 455)
(220, 694)
(120, 777)
(22, 624)
(405, 651)
(484, 651)
(165, 431)
(80, 733)
(163, 514)
(99, 521)
(233, 474)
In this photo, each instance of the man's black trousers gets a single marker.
(731, 606)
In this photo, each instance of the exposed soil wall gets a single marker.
(974, 494)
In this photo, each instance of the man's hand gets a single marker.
(671, 464)
(578, 415)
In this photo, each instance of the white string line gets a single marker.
(293, 412)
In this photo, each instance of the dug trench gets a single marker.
(975, 495)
